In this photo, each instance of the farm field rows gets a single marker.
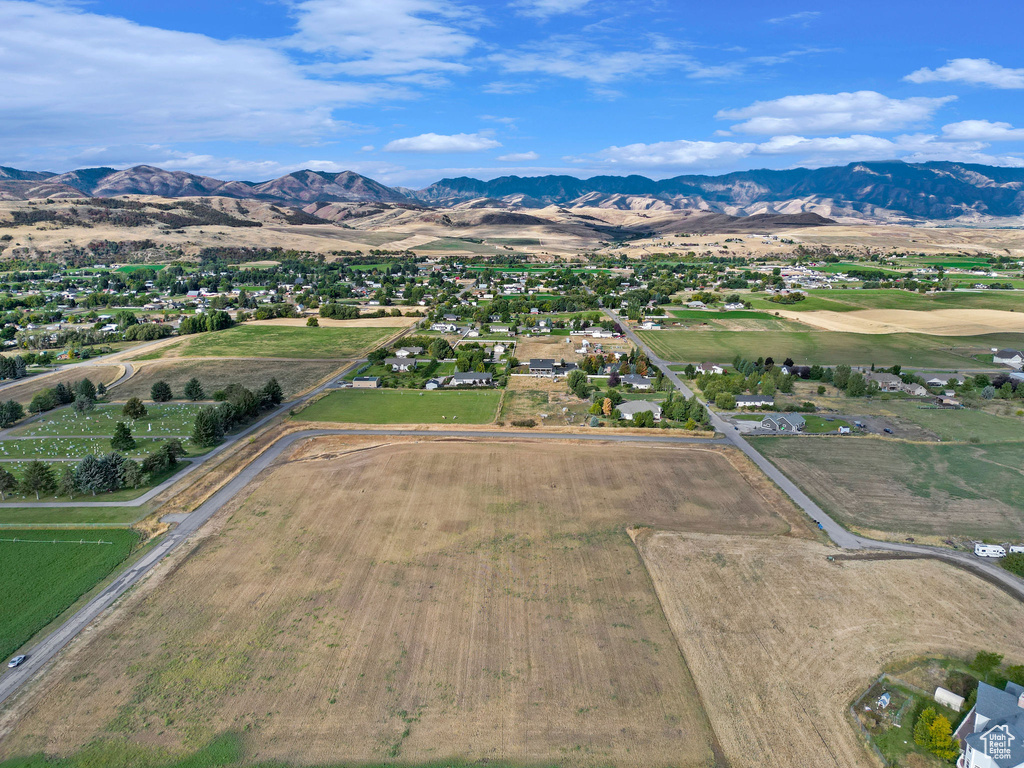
(780, 641)
(400, 406)
(418, 602)
(294, 376)
(828, 347)
(912, 488)
(885, 298)
(39, 579)
(281, 342)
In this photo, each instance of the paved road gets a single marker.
(842, 537)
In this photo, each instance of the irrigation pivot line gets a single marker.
(54, 541)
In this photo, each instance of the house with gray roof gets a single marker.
(755, 401)
(1011, 357)
(783, 422)
(636, 381)
(400, 363)
(472, 378)
(992, 734)
(631, 408)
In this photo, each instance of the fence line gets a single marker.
(54, 541)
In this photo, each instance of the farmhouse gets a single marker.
(992, 734)
(783, 422)
(444, 327)
(886, 382)
(437, 383)
(710, 368)
(755, 401)
(366, 382)
(636, 381)
(542, 366)
(631, 408)
(472, 378)
(400, 363)
(408, 351)
(1011, 357)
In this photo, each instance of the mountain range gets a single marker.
(871, 191)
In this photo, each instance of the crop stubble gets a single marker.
(419, 601)
(780, 641)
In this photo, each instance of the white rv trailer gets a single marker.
(989, 550)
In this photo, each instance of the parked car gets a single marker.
(17, 661)
(887, 431)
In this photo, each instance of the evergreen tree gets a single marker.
(89, 474)
(10, 412)
(85, 388)
(66, 485)
(160, 392)
(131, 474)
(63, 395)
(134, 409)
(8, 483)
(38, 478)
(207, 430)
(122, 439)
(83, 404)
(43, 401)
(111, 466)
(272, 392)
(101, 390)
(194, 390)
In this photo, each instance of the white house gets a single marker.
(636, 381)
(631, 408)
(992, 734)
(710, 368)
(1011, 357)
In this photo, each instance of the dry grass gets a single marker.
(936, 322)
(329, 322)
(416, 601)
(24, 390)
(564, 347)
(780, 641)
(294, 376)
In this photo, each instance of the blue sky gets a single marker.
(409, 91)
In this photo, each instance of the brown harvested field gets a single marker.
(24, 390)
(563, 347)
(417, 601)
(294, 376)
(780, 641)
(936, 322)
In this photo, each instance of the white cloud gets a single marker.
(973, 71)
(672, 154)
(706, 156)
(504, 87)
(580, 59)
(826, 113)
(433, 143)
(81, 78)
(801, 16)
(519, 157)
(547, 8)
(982, 130)
(385, 37)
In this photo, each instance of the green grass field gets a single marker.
(161, 419)
(959, 425)
(285, 341)
(387, 406)
(817, 425)
(39, 581)
(735, 320)
(87, 517)
(828, 347)
(914, 488)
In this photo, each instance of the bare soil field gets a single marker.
(23, 390)
(294, 376)
(417, 601)
(938, 322)
(527, 397)
(780, 641)
(564, 347)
